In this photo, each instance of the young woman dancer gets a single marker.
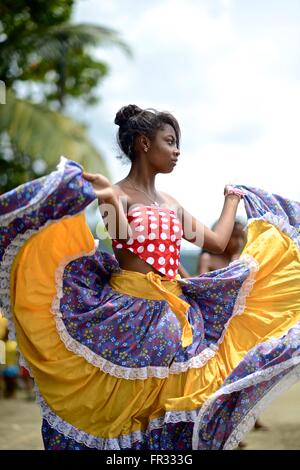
(124, 353)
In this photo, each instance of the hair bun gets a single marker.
(126, 113)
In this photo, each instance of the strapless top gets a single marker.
(156, 238)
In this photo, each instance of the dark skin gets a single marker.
(211, 262)
(154, 156)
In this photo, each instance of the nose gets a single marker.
(177, 152)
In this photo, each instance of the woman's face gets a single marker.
(163, 154)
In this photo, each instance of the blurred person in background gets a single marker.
(210, 261)
(10, 369)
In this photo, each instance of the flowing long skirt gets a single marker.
(104, 346)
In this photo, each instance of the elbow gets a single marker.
(215, 246)
(219, 249)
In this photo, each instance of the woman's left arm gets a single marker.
(194, 231)
(214, 241)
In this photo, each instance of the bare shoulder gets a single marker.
(204, 263)
(123, 196)
(205, 257)
(118, 186)
(169, 200)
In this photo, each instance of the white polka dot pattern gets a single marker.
(156, 238)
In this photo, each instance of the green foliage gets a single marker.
(17, 169)
(38, 44)
(20, 20)
(33, 132)
(78, 78)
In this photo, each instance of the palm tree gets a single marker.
(59, 47)
(35, 130)
(40, 132)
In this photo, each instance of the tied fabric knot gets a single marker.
(177, 305)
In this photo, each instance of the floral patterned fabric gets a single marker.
(115, 326)
(135, 338)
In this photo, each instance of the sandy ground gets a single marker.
(20, 423)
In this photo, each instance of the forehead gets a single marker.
(167, 129)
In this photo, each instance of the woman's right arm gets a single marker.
(110, 206)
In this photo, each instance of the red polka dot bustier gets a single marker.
(156, 238)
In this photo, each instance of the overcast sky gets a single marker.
(229, 70)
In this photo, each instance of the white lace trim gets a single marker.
(255, 378)
(54, 179)
(187, 416)
(194, 363)
(6, 266)
(248, 422)
(131, 373)
(71, 432)
(141, 373)
(282, 224)
(121, 442)
(194, 416)
(12, 250)
(78, 348)
(70, 343)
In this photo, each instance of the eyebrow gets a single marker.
(170, 135)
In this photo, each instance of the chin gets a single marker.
(168, 170)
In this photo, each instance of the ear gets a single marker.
(144, 142)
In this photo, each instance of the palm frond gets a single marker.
(49, 45)
(45, 134)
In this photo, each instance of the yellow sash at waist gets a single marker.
(152, 286)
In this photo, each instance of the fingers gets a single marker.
(230, 190)
(88, 176)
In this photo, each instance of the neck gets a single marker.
(142, 178)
